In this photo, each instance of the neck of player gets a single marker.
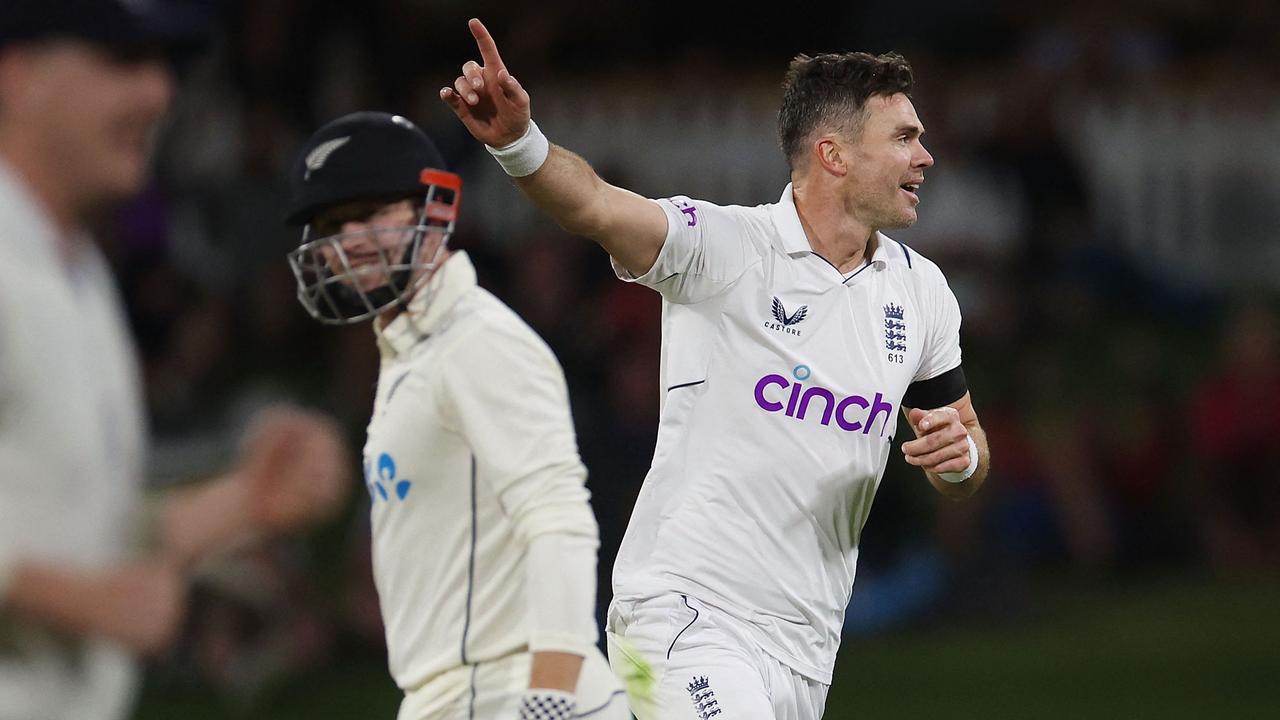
(833, 231)
(56, 198)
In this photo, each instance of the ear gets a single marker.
(829, 153)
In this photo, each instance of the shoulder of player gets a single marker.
(486, 333)
(715, 217)
(914, 263)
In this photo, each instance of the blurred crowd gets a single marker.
(1115, 255)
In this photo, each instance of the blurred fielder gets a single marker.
(792, 335)
(83, 85)
(484, 544)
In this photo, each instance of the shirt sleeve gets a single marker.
(511, 402)
(560, 574)
(508, 396)
(942, 337)
(707, 248)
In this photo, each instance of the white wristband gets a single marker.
(524, 156)
(959, 477)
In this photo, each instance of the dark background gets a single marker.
(1105, 203)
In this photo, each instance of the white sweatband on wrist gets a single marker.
(524, 156)
(543, 704)
(959, 477)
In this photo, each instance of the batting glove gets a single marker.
(547, 705)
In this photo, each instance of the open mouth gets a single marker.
(362, 259)
(911, 189)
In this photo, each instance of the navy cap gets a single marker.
(361, 156)
(159, 24)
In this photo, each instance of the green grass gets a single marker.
(1189, 648)
(1181, 650)
(356, 691)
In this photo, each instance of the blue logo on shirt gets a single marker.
(794, 318)
(384, 478)
(895, 328)
(785, 320)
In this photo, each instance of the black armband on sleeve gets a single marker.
(935, 392)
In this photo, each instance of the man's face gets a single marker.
(376, 234)
(91, 112)
(887, 163)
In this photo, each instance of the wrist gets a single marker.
(524, 156)
(555, 670)
(53, 597)
(959, 477)
(197, 520)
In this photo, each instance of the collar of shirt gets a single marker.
(795, 242)
(30, 229)
(428, 308)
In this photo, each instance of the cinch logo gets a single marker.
(798, 401)
(385, 477)
(690, 212)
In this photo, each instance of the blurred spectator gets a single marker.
(1234, 453)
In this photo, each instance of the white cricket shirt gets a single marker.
(783, 380)
(71, 448)
(471, 454)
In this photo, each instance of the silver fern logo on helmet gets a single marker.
(318, 157)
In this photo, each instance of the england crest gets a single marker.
(895, 329)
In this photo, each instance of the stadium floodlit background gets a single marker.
(1106, 203)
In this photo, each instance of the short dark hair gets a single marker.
(831, 90)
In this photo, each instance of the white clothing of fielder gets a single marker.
(71, 449)
(707, 663)
(783, 380)
(477, 496)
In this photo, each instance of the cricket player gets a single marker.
(793, 334)
(92, 575)
(484, 544)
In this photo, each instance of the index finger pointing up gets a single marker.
(488, 48)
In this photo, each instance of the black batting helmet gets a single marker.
(358, 157)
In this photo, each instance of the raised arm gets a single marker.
(494, 108)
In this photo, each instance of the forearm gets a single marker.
(49, 596)
(969, 486)
(555, 671)
(568, 190)
(193, 522)
(631, 228)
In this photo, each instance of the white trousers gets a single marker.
(704, 664)
(492, 691)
